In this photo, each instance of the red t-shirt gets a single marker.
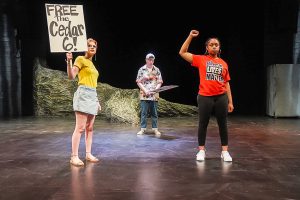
(213, 74)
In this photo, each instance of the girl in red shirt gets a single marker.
(214, 94)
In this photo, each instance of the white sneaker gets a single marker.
(200, 155)
(156, 132)
(142, 131)
(226, 156)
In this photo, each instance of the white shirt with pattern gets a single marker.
(149, 84)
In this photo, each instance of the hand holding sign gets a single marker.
(69, 56)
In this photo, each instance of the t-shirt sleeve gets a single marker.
(159, 77)
(78, 62)
(139, 76)
(227, 76)
(197, 60)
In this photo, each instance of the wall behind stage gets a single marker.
(127, 31)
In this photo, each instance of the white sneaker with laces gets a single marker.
(226, 156)
(200, 155)
(142, 131)
(156, 132)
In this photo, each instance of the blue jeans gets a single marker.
(145, 106)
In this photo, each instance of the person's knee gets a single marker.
(89, 128)
(80, 128)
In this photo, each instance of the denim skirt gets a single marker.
(85, 100)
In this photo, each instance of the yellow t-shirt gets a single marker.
(88, 74)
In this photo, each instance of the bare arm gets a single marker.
(230, 102)
(142, 88)
(158, 86)
(72, 71)
(183, 52)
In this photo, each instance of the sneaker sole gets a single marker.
(225, 160)
(200, 159)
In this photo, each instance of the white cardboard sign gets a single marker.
(66, 28)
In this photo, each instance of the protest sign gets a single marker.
(66, 28)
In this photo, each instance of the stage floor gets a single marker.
(35, 153)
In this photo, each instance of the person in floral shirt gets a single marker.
(149, 79)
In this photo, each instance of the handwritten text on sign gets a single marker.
(66, 27)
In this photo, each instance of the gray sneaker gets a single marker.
(156, 132)
(142, 131)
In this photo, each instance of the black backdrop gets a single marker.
(127, 31)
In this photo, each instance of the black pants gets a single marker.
(208, 105)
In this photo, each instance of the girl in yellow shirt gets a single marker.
(85, 101)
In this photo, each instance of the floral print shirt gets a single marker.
(149, 79)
